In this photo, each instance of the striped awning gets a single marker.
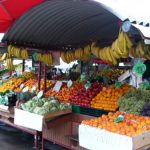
(63, 22)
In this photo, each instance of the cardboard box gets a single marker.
(97, 139)
(35, 121)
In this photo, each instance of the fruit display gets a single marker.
(30, 83)
(18, 52)
(28, 75)
(48, 84)
(68, 56)
(111, 73)
(141, 51)
(107, 99)
(78, 54)
(11, 84)
(119, 49)
(134, 101)
(9, 64)
(83, 97)
(130, 125)
(50, 92)
(42, 106)
(65, 94)
(46, 58)
(4, 57)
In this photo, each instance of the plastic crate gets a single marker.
(92, 111)
(88, 111)
(76, 109)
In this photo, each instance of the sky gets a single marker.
(134, 9)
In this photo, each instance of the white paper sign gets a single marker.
(125, 75)
(25, 89)
(33, 89)
(69, 83)
(57, 86)
(21, 86)
(40, 94)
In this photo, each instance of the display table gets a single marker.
(8, 119)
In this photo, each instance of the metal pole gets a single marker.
(45, 77)
(39, 75)
(23, 65)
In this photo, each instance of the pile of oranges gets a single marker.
(50, 92)
(28, 84)
(48, 84)
(107, 99)
(11, 84)
(65, 93)
(131, 125)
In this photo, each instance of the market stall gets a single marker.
(78, 103)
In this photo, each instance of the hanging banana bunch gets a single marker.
(4, 57)
(79, 53)
(68, 56)
(24, 54)
(95, 49)
(9, 64)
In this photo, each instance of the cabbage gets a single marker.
(47, 104)
(42, 111)
(55, 103)
(52, 98)
(64, 106)
(39, 103)
(44, 100)
(53, 109)
(37, 109)
(35, 98)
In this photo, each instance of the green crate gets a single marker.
(76, 109)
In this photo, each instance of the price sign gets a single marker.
(25, 89)
(33, 89)
(40, 94)
(69, 83)
(21, 86)
(57, 86)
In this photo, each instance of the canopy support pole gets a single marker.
(39, 76)
(45, 77)
(23, 65)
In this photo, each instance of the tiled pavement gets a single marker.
(12, 139)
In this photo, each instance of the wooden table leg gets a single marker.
(43, 144)
(36, 143)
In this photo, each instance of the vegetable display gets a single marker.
(134, 101)
(44, 105)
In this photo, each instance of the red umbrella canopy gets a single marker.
(10, 10)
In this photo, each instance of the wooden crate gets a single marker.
(35, 121)
(64, 131)
(95, 139)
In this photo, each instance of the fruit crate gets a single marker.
(88, 111)
(76, 109)
(92, 111)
